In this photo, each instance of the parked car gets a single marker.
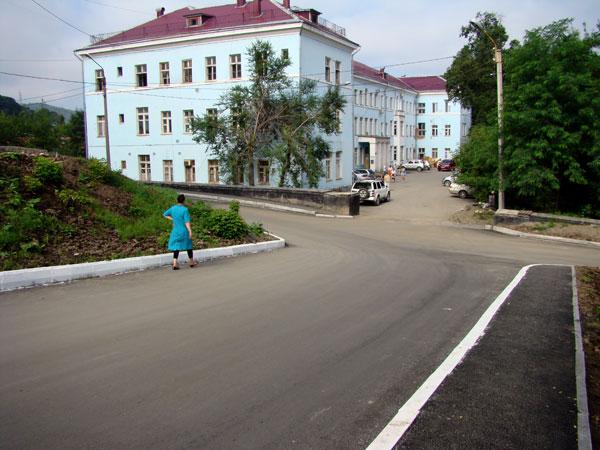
(361, 174)
(372, 191)
(446, 165)
(414, 164)
(447, 181)
(460, 190)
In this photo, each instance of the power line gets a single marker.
(117, 7)
(51, 95)
(44, 78)
(61, 19)
(38, 60)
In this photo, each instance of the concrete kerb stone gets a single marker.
(40, 276)
(516, 233)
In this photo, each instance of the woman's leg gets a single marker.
(175, 256)
(193, 262)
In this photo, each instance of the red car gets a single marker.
(446, 165)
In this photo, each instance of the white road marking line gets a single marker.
(396, 428)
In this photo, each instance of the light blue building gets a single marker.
(162, 73)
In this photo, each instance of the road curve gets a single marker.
(313, 346)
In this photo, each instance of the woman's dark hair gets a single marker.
(180, 198)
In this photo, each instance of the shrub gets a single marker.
(32, 184)
(256, 229)
(47, 171)
(72, 199)
(226, 224)
(97, 171)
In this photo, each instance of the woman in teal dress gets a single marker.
(181, 235)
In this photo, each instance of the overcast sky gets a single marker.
(391, 33)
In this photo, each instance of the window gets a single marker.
(123, 165)
(395, 129)
(447, 130)
(421, 153)
(446, 153)
(285, 53)
(421, 130)
(186, 66)
(190, 170)
(213, 171)
(338, 121)
(338, 72)
(328, 69)
(212, 112)
(328, 167)
(421, 108)
(434, 153)
(165, 77)
(166, 122)
(434, 108)
(101, 126)
(434, 130)
(356, 96)
(338, 165)
(144, 167)
(211, 68)
(99, 80)
(193, 22)
(119, 71)
(188, 114)
(121, 118)
(263, 172)
(141, 75)
(370, 99)
(143, 121)
(447, 105)
(235, 63)
(168, 170)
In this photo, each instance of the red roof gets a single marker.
(362, 70)
(215, 18)
(421, 84)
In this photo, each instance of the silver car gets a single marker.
(372, 191)
(460, 190)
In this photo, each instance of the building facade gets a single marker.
(159, 75)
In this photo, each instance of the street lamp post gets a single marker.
(498, 59)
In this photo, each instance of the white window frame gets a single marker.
(434, 130)
(448, 130)
(213, 171)
(99, 80)
(101, 126)
(145, 169)
(143, 121)
(235, 66)
(187, 75)
(165, 75)
(338, 165)
(166, 122)
(328, 69)
(141, 75)
(168, 170)
(188, 114)
(211, 68)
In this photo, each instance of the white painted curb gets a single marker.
(17, 279)
(511, 232)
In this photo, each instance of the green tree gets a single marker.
(471, 78)
(73, 134)
(300, 148)
(478, 161)
(272, 118)
(247, 115)
(552, 120)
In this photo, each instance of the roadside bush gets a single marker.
(47, 171)
(97, 171)
(226, 224)
(73, 199)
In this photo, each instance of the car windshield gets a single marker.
(362, 185)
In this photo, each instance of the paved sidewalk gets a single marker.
(516, 389)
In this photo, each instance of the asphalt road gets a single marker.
(312, 346)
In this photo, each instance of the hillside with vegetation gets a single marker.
(63, 210)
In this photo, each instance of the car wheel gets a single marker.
(419, 169)
(447, 183)
(389, 197)
(363, 194)
(462, 194)
(377, 201)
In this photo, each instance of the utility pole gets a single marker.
(498, 59)
(106, 136)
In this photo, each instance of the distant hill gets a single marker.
(9, 106)
(66, 113)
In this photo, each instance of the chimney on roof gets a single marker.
(258, 7)
(286, 4)
(160, 12)
(241, 3)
